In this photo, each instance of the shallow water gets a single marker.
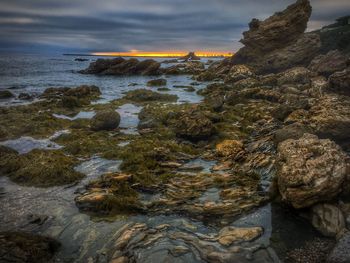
(129, 118)
(33, 74)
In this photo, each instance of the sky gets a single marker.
(66, 26)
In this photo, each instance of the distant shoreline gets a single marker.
(92, 55)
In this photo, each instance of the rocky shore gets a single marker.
(273, 128)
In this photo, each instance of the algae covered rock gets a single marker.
(191, 124)
(111, 194)
(156, 82)
(238, 72)
(40, 168)
(143, 95)
(25, 247)
(105, 120)
(229, 148)
(311, 170)
(6, 94)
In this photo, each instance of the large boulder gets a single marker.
(105, 120)
(278, 42)
(340, 82)
(329, 63)
(190, 56)
(311, 170)
(121, 66)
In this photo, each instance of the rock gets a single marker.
(25, 247)
(192, 67)
(81, 59)
(40, 168)
(105, 120)
(297, 75)
(191, 124)
(79, 92)
(120, 66)
(217, 70)
(291, 131)
(215, 102)
(229, 148)
(278, 42)
(329, 63)
(340, 82)
(341, 251)
(311, 170)
(330, 118)
(319, 85)
(25, 96)
(190, 56)
(229, 235)
(156, 82)
(143, 95)
(6, 94)
(238, 72)
(328, 219)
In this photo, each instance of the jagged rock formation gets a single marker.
(190, 56)
(278, 42)
(120, 66)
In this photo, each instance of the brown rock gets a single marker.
(278, 42)
(340, 82)
(311, 170)
(329, 63)
(229, 235)
(328, 219)
(229, 148)
(105, 120)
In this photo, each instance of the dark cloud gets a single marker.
(121, 25)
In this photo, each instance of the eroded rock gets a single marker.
(105, 120)
(311, 170)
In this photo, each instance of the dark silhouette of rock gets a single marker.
(120, 66)
(278, 42)
(190, 56)
(81, 59)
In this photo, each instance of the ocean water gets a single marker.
(33, 74)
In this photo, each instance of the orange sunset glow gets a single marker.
(161, 54)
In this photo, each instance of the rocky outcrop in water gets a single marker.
(278, 42)
(311, 170)
(190, 56)
(120, 66)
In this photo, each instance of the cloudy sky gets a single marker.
(147, 25)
